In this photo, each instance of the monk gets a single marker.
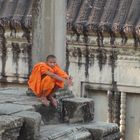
(46, 78)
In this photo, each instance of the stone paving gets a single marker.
(24, 117)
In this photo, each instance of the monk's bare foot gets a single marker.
(44, 101)
(53, 101)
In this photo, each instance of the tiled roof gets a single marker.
(16, 13)
(103, 15)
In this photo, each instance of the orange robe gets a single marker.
(38, 85)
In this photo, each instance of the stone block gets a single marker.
(103, 130)
(49, 114)
(10, 127)
(31, 127)
(78, 110)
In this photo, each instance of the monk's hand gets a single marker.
(68, 82)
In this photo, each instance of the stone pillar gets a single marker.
(139, 133)
(60, 31)
(43, 30)
(123, 115)
(109, 116)
(49, 30)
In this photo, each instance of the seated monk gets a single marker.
(46, 78)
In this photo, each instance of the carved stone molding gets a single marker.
(99, 39)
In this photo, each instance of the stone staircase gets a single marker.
(24, 117)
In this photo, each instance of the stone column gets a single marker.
(123, 115)
(110, 111)
(49, 30)
(60, 31)
(139, 133)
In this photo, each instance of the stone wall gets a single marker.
(108, 74)
(103, 66)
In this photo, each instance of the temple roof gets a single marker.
(82, 15)
(104, 15)
(16, 13)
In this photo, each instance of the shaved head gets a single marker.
(50, 57)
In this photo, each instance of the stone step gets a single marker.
(103, 130)
(31, 125)
(91, 131)
(78, 110)
(64, 132)
(49, 114)
(71, 110)
(21, 117)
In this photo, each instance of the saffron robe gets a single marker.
(47, 83)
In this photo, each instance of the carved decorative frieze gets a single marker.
(103, 40)
(118, 53)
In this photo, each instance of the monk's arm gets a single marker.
(55, 76)
(67, 81)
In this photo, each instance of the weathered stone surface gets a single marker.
(114, 136)
(87, 131)
(50, 115)
(10, 127)
(64, 132)
(103, 130)
(78, 110)
(30, 129)
(9, 108)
